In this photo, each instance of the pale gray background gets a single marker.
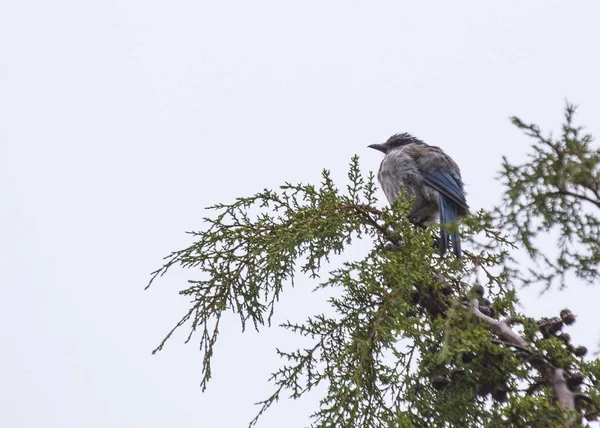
(121, 120)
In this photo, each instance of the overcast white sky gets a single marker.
(121, 120)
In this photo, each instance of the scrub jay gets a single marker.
(430, 176)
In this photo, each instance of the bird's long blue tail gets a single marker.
(448, 214)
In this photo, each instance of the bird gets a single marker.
(429, 175)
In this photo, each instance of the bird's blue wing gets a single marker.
(444, 183)
(451, 197)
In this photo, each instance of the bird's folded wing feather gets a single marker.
(444, 183)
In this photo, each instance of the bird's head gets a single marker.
(396, 140)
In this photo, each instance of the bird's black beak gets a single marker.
(380, 147)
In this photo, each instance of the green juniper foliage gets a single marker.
(411, 339)
(557, 191)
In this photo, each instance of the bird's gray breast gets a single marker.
(399, 171)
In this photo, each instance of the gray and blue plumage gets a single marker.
(431, 177)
